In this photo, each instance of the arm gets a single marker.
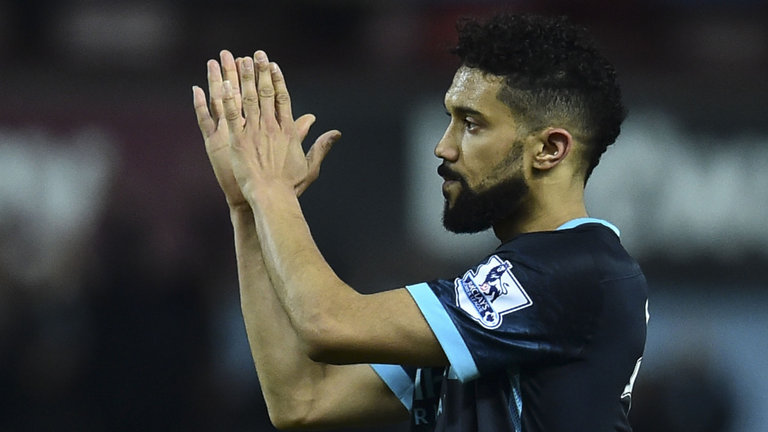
(298, 391)
(333, 321)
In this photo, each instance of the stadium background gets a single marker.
(118, 300)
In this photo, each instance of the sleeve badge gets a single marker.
(490, 291)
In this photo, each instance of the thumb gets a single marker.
(303, 124)
(320, 149)
(315, 157)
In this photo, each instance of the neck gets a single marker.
(542, 212)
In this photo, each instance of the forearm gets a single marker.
(335, 323)
(298, 391)
(285, 372)
(311, 293)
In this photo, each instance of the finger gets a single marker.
(303, 124)
(214, 90)
(266, 90)
(238, 66)
(282, 98)
(250, 98)
(231, 111)
(204, 120)
(229, 70)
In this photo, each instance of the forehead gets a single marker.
(473, 88)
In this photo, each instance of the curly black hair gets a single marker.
(554, 75)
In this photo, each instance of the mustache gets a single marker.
(448, 173)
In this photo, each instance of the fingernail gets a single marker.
(275, 68)
(261, 57)
(248, 65)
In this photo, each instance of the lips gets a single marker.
(451, 179)
(448, 174)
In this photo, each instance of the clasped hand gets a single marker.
(262, 137)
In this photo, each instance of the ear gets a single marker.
(554, 146)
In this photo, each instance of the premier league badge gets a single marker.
(489, 292)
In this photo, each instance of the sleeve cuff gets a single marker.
(398, 381)
(462, 363)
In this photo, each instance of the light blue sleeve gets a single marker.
(398, 381)
(462, 363)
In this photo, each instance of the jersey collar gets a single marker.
(573, 223)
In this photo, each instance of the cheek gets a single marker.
(492, 165)
(496, 175)
(479, 158)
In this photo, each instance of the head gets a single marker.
(531, 93)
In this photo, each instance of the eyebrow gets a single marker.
(464, 110)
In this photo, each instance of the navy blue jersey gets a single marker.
(544, 335)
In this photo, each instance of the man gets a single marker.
(543, 334)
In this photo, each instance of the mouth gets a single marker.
(451, 179)
(448, 174)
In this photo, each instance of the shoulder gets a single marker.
(582, 237)
(590, 250)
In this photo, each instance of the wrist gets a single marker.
(268, 194)
(240, 213)
(240, 208)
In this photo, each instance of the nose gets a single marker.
(446, 148)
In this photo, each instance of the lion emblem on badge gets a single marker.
(493, 285)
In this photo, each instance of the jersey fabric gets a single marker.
(544, 335)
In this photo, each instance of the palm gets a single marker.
(217, 147)
(214, 128)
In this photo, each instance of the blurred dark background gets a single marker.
(118, 297)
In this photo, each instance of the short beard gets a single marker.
(473, 212)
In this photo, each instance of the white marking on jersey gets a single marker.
(490, 292)
(628, 388)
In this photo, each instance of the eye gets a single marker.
(470, 124)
